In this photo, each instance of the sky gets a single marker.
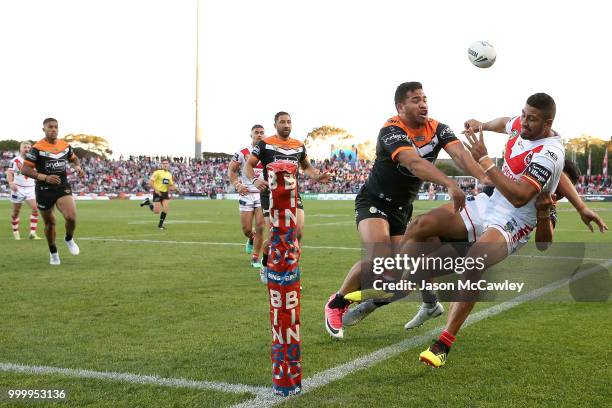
(126, 69)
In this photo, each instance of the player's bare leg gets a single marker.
(33, 219)
(375, 236)
(67, 207)
(258, 236)
(246, 222)
(164, 206)
(426, 228)
(492, 248)
(264, 249)
(15, 220)
(49, 220)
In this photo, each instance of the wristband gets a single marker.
(490, 167)
(486, 156)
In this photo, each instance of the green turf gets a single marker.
(199, 312)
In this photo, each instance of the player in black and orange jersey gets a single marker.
(280, 147)
(47, 163)
(407, 146)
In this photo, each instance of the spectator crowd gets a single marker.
(209, 176)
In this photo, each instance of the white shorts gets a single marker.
(249, 202)
(477, 218)
(22, 194)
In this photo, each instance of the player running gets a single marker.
(280, 147)
(249, 201)
(47, 163)
(161, 182)
(22, 189)
(408, 145)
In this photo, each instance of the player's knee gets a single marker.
(70, 218)
(259, 227)
(421, 227)
(246, 231)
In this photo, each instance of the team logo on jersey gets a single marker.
(165, 181)
(528, 158)
(514, 133)
(393, 138)
(55, 165)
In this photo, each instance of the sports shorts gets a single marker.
(160, 197)
(368, 206)
(478, 217)
(47, 197)
(249, 202)
(22, 194)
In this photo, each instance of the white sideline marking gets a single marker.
(339, 372)
(155, 241)
(136, 379)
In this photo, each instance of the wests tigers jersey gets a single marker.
(390, 181)
(51, 158)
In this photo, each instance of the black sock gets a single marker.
(338, 302)
(162, 218)
(68, 237)
(251, 240)
(53, 249)
(151, 207)
(429, 297)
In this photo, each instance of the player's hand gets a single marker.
(471, 124)
(80, 171)
(324, 177)
(260, 184)
(242, 189)
(587, 215)
(458, 197)
(53, 179)
(13, 187)
(475, 145)
(545, 201)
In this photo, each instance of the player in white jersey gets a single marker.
(533, 163)
(249, 200)
(22, 189)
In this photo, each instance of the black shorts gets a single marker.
(265, 203)
(367, 206)
(160, 197)
(47, 197)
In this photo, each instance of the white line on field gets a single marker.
(154, 241)
(339, 372)
(136, 379)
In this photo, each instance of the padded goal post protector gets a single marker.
(283, 274)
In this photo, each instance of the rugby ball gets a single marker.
(482, 54)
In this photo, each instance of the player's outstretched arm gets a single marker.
(497, 125)
(517, 193)
(465, 161)
(567, 189)
(426, 171)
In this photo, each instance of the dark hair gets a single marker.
(403, 89)
(256, 127)
(570, 168)
(543, 102)
(49, 120)
(279, 114)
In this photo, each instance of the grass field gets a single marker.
(191, 307)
